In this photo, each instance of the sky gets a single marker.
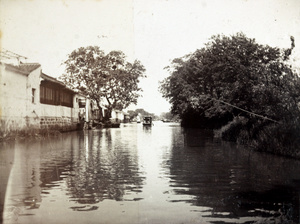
(154, 32)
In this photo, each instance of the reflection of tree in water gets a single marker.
(233, 182)
(103, 169)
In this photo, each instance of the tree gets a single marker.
(104, 77)
(132, 114)
(232, 76)
(141, 112)
(167, 116)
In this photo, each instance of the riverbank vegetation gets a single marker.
(249, 92)
(27, 133)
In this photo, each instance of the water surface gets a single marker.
(162, 174)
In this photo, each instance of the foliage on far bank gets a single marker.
(234, 82)
(168, 116)
(140, 112)
(104, 77)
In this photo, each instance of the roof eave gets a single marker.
(14, 69)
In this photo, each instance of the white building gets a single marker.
(30, 99)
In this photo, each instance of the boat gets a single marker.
(147, 121)
(115, 125)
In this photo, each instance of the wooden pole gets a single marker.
(249, 112)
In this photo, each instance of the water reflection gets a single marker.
(23, 190)
(94, 165)
(147, 129)
(6, 163)
(134, 174)
(234, 182)
(102, 169)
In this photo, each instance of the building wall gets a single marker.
(117, 115)
(59, 117)
(19, 111)
(33, 105)
(16, 107)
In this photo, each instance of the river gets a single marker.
(132, 174)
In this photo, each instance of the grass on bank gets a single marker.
(27, 133)
(281, 139)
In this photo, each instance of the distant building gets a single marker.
(117, 116)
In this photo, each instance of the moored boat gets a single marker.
(147, 121)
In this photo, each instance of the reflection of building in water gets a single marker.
(23, 189)
(38, 165)
(6, 163)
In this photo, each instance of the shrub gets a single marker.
(233, 129)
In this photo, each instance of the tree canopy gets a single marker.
(233, 76)
(104, 77)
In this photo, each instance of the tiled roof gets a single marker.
(25, 68)
(29, 67)
(54, 80)
(51, 79)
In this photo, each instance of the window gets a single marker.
(33, 95)
(66, 99)
(54, 96)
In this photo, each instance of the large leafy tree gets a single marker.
(105, 78)
(233, 76)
